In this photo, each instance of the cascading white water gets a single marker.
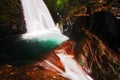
(38, 19)
(37, 16)
(41, 30)
(73, 70)
(39, 23)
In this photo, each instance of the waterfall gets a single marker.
(37, 16)
(41, 30)
(72, 70)
(39, 23)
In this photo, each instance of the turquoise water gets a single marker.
(23, 51)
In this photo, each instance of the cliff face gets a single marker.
(98, 52)
(106, 26)
(97, 59)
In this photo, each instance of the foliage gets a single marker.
(10, 9)
(57, 8)
(11, 17)
(61, 4)
(56, 5)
